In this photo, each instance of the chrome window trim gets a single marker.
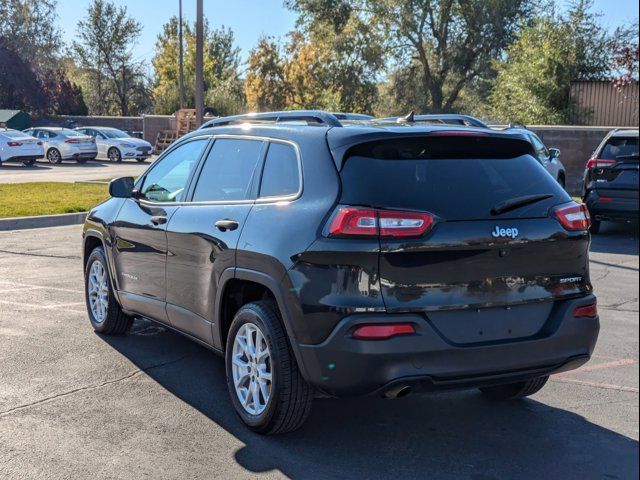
(261, 201)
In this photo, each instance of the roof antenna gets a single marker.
(408, 118)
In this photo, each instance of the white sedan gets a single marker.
(17, 146)
(115, 144)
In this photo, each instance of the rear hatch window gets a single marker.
(455, 178)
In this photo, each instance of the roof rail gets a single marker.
(311, 116)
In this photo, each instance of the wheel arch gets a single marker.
(90, 241)
(232, 277)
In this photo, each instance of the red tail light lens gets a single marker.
(599, 163)
(354, 221)
(383, 331)
(14, 144)
(369, 222)
(573, 216)
(72, 140)
(589, 311)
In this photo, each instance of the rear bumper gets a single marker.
(22, 158)
(616, 209)
(344, 366)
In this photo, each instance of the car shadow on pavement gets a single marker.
(617, 238)
(19, 166)
(444, 435)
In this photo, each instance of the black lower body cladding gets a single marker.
(602, 207)
(428, 359)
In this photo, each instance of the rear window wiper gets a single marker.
(518, 202)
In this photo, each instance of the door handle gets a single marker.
(226, 224)
(158, 219)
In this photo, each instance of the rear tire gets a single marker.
(29, 163)
(141, 160)
(289, 396)
(110, 319)
(515, 391)
(81, 160)
(53, 155)
(596, 225)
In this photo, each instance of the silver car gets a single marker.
(64, 144)
(17, 146)
(115, 144)
(548, 157)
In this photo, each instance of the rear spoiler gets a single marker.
(342, 141)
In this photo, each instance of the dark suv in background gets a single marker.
(334, 260)
(610, 187)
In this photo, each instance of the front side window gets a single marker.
(228, 172)
(167, 180)
(280, 175)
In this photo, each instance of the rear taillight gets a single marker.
(14, 144)
(383, 331)
(589, 311)
(72, 140)
(599, 163)
(573, 216)
(369, 222)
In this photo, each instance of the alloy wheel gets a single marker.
(252, 369)
(98, 291)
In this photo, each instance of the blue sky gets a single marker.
(251, 18)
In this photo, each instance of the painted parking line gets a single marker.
(54, 306)
(44, 287)
(587, 383)
(599, 366)
(566, 377)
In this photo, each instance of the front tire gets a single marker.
(265, 385)
(105, 313)
(54, 157)
(114, 155)
(515, 391)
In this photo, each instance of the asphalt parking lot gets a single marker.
(70, 171)
(154, 405)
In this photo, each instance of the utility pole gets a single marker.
(199, 64)
(180, 56)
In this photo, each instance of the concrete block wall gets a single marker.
(128, 124)
(155, 123)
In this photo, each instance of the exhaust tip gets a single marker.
(398, 392)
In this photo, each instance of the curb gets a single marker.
(42, 221)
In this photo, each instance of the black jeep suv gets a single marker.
(610, 183)
(334, 260)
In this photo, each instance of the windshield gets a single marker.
(114, 133)
(619, 148)
(13, 134)
(71, 133)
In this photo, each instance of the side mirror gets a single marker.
(121, 187)
(554, 153)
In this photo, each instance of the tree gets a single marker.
(20, 87)
(444, 46)
(29, 26)
(264, 84)
(533, 82)
(104, 52)
(223, 87)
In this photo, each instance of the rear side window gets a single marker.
(618, 148)
(281, 173)
(228, 172)
(456, 179)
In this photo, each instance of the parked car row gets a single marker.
(57, 144)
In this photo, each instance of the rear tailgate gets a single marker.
(616, 171)
(471, 258)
